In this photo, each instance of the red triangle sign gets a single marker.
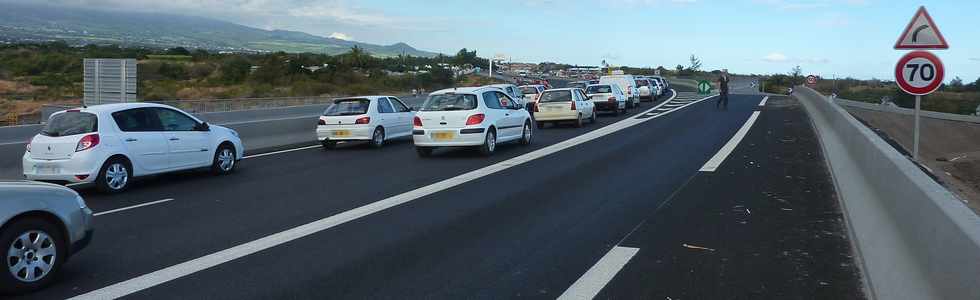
(921, 33)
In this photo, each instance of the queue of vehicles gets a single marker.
(109, 145)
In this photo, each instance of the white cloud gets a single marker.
(775, 57)
(341, 36)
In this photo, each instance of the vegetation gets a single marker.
(36, 74)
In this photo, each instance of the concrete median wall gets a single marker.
(914, 238)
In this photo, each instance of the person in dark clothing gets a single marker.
(723, 86)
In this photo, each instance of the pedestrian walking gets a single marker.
(723, 86)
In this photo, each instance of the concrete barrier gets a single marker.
(908, 111)
(913, 237)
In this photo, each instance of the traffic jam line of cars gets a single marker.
(109, 145)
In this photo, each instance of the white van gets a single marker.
(628, 84)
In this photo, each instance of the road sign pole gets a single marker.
(915, 139)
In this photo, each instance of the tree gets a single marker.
(178, 51)
(956, 84)
(796, 72)
(695, 64)
(679, 68)
(235, 69)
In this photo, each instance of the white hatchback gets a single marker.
(375, 119)
(112, 143)
(470, 117)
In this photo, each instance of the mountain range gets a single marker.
(38, 22)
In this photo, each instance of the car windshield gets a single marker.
(529, 90)
(556, 96)
(599, 89)
(449, 102)
(71, 123)
(348, 107)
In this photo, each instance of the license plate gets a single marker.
(443, 136)
(47, 169)
(341, 133)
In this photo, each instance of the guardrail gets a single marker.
(239, 104)
(914, 238)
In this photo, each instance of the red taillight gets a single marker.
(475, 119)
(573, 105)
(87, 142)
(611, 99)
(417, 122)
(321, 122)
(363, 120)
(81, 177)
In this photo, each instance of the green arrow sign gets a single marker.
(704, 87)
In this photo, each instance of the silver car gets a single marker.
(43, 225)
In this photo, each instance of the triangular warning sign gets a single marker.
(921, 33)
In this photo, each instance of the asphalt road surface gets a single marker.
(554, 219)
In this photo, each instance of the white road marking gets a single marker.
(131, 207)
(763, 103)
(725, 151)
(202, 263)
(14, 143)
(596, 278)
(280, 152)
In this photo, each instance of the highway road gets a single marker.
(677, 200)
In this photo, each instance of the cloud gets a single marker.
(341, 36)
(776, 57)
(798, 5)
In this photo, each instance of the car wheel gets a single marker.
(378, 138)
(592, 119)
(35, 252)
(423, 151)
(328, 144)
(489, 143)
(224, 160)
(526, 136)
(114, 176)
(579, 121)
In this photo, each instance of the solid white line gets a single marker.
(725, 151)
(280, 152)
(14, 143)
(132, 207)
(589, 285)
(202, 263)
(763, 103)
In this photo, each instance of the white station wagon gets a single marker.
(111, 143)
(562, 105)
(375, 119)
(470, 117)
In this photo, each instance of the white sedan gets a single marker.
(561, 105)
(478, 117)
(375, 119)
(112, 143)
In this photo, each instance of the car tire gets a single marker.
(592, 119)
(378, 138)
(579, 122)
(50, 239)
(225, 160)
(527, 135)
(489, 143)
(328, 144)
(114, 176)
(423, 151)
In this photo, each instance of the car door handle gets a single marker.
(131, 140)
(175, 139)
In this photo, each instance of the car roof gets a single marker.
(562, 89)
(501, 85)
(114, 107)
(373, 97)
(468, 90)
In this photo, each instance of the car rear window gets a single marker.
(599, 89)
(556, 96)
(448, 102)
(642, 83)
(529, 90)
(71, 123)
(580, 85)
(348, 107)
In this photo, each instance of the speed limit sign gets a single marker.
(919, 73)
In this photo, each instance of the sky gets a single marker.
(843, 38)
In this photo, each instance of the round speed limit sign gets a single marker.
(919, 73)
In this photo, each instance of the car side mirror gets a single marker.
(203, 126)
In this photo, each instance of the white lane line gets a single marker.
(202, 263)
(131, 207)
(763, 103)
(14, 143)
(280, 152)
(725, 151)
(596, 278)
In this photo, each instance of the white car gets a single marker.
(648, 89)
(628, 84)
(607, 97)
(374, 119)
(511, 90)
(470, 117)
(562, 105)
(531, 94)
(112, 143)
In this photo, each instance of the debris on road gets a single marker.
(697, 247)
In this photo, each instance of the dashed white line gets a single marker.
(280, 152)
(131, 207)
(725, 151)
(763, 103)
(596, 278)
